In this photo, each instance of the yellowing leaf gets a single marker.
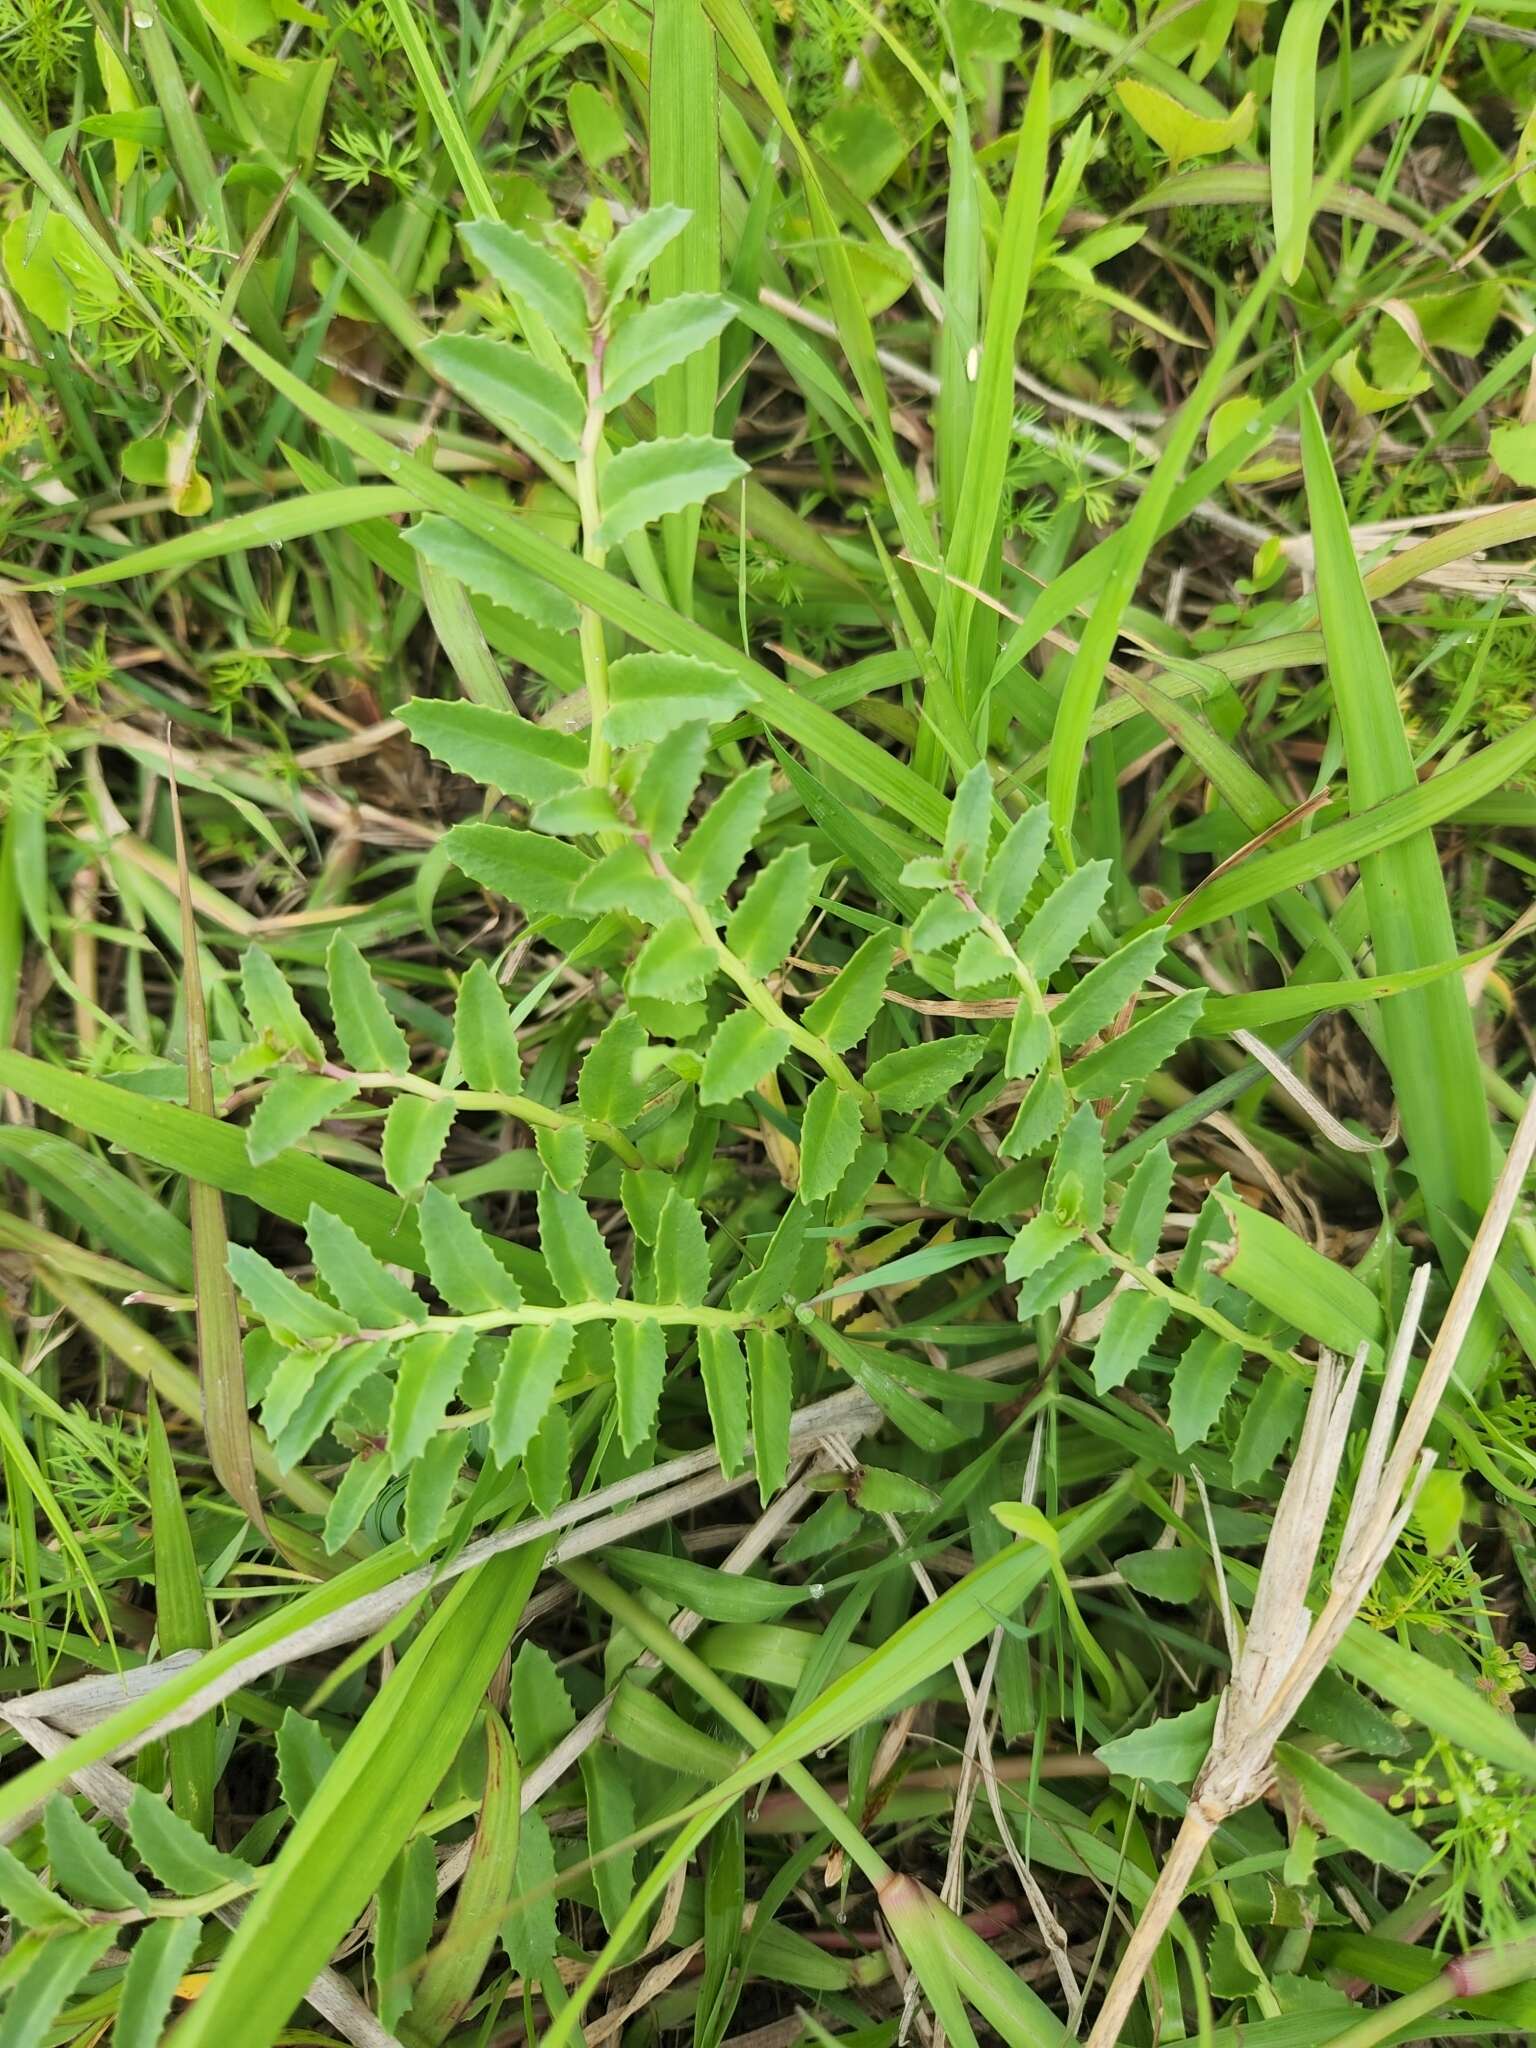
(1178, 133)
(1513, 448)
(1367, 397)
(1231, 420)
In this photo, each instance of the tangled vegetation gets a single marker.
(767, 786)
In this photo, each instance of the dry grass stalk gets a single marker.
(1284, 1650)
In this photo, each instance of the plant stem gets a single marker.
(668, 1314)
(594, 650)
(1189, 1845)
(537, 1114)
(1470, 1976)
(761, 998)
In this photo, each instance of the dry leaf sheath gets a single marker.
(1283, 1651)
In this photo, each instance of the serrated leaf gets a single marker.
(580, 1263)
(531, 1369)
(289, 1109)
(1269, 1422)
(282, 1303)
(429, 1489)
(159, 1961)
(369, 1036)
(402, 1927)
(532, 273)
(606, 1087)
(1137, 1230)
(363, 1288)
(311, 1399)
(667, 783)
(1151, 1041)
(415, 1132)
(920, 1075)
(484, 569)
(1104, 991)
(28, 1901)
(498, 748)
(680, 1260)
(426, 1380)
(563, 1154)
(624, 880)
(969, 826)
(1358, 1820)
(742, 1052)
(942, 920)
(533, 405)
(763, 927)
(981, 963)
(772, 1383)
(272, 1008)
(1175, 1576)
(639, 1367)
(657, 338)
(674, 964)
(1135, 1322)
(1063, 918)
(484, 1036)
(174, 1850)
(637, 245)
(529, 869)
(610, 1825)
(643, 483)
(712, 855)
(1169, 1751)
(724, 1372)
(1029, 1041)
(851, 1001)
(59, 1964)
(359, 1487)
(1205, 1375)
(830, 1132)
(1068, 1270)
(653, 695)
(82, 1864)
(464, 1269)
(304, 1755)
(1012, 870)
(542, 1714)
(528, 1933)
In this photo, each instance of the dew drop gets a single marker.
(143, 21)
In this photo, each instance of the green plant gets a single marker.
(762, 866)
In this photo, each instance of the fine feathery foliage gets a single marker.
(767, 780)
